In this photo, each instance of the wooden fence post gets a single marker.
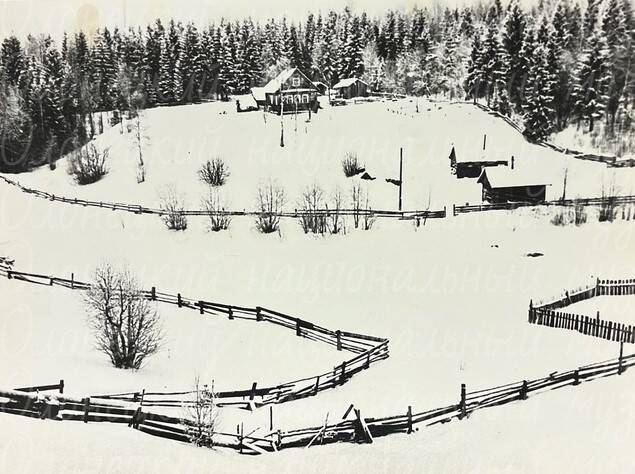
(317, 385)
(258, 313)
(338, 335)
(230, 313)
(86, 409)
(620, 368)
(201, 305)
(298, 329)
(343, 373)
(270, 417)
(462, 403)
(576, 377)
(523, 390)
(62, 386)
(179, 300)
(72, 281)
(153, 293)
(409, 415)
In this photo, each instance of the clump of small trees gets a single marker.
(201, 415)
(362, 213)
(608, 204)
(269, 202)
(214, 172)
(87, 165)
(215, 208)
(312, 220)
(125, 323)
(570, 215)
(173, 207)
(351, 165)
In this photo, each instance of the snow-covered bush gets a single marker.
(311, 219)
(87, 165)
(270, 202)
(215, 208)
(351, 165)
(201, 415)
(173, 207)
(127, 327)
(214, 172)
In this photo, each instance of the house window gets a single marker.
(296, 98)
(289, 99)
(296, 82)
(305, 98)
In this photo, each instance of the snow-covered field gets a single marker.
(180, 139)
(451, 296)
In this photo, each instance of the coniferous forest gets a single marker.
(557, 64)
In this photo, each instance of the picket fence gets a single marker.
(368, 350)
(546, 314)
(352, 427)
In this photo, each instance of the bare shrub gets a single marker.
(311, 204)
(560, 218)
(608, 204)
(270, 202)
(201, 415)
(579, 213)
(362, 212)
(87, 165)
(126, 326)
(173, 207)
(215, 208)
(335, 218)
(351, 165)
(214, 172)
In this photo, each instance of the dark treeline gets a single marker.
(555, 64)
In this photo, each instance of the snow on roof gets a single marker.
(274, 84)
(476, 154)
(347, 82)
(258, 93)
(504, 177)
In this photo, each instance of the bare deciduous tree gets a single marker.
(336, 220)
(126, 325)
(270, 201)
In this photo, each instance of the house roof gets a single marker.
(273, 86)
(347, 82)
(503, 177)
(258, 93)
(476, 154)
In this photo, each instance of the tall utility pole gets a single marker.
(400, 174)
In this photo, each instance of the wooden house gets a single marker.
(507, 185)
(288, 92)
(350, 88)
(321, 87)
(468, 164)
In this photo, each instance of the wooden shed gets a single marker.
(507, 185)
(350, 88)
(468, 164)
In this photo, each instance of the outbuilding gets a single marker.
(350, 88)
(470, 164)
(502, 185)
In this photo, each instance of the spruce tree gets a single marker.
(592, 80)
(12, 61)
(539, 112)
(513, 36)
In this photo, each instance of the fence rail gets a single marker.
(367, 349)
(546, 314)
(295, 214)
(352, 428)
(598, 201)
